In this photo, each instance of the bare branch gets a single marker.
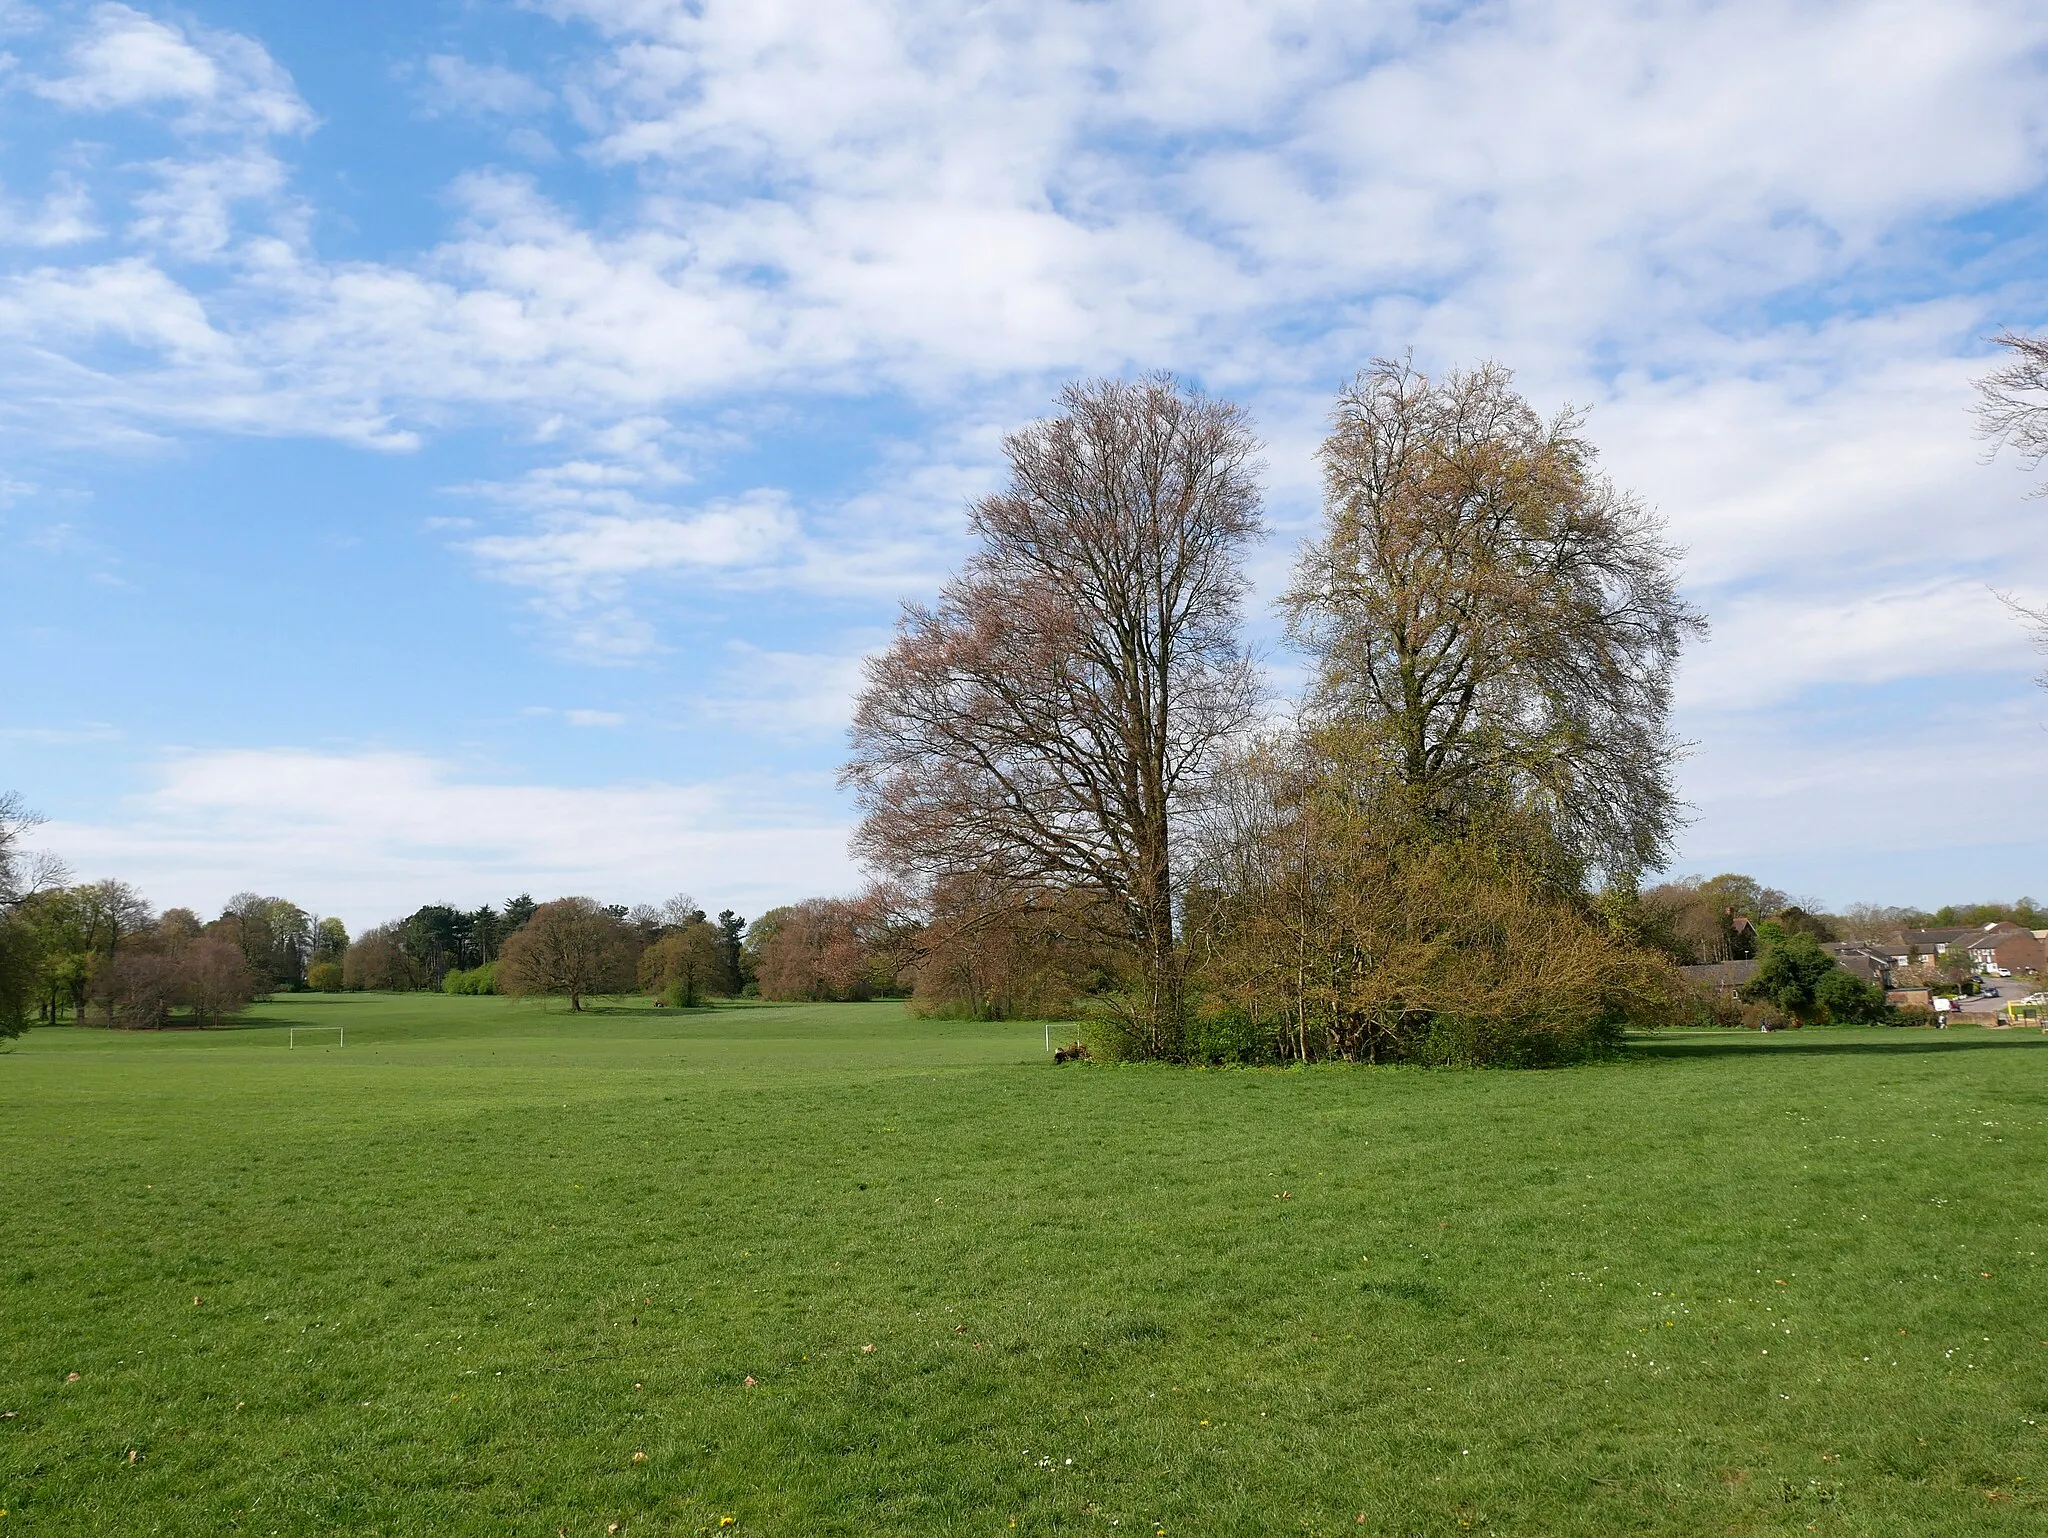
(2012, 402)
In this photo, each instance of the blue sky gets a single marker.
(455, 448)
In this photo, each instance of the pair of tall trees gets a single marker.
(1495, 628)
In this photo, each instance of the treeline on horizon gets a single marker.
(1076, 796)
(98, 952)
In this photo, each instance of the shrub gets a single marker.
(324, 977)
(477, 980)
(1849, 1000)
(1230, 1035)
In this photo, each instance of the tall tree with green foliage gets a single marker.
(732, 933)
(1493, 620)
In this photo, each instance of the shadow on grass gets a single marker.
(1904, 1043)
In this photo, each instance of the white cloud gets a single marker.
(370, 836)
(456, 84)
(191, 212)
(794, 696)
(581, 717)
(578, 562)
(220, 79)
(64, 218)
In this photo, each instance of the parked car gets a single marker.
(1989, 993)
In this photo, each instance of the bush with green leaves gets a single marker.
(1795, 975)
(477, 980)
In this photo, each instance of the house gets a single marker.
(1869, 962)
(2003, 949)
(1742, 937)
(1913, 946)
(1726, 976)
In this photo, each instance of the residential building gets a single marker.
(1726, 976)
(1869, 962)
(2003, 949)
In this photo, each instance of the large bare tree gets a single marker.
(1048, 721)
(1494, 617)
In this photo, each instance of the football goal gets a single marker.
(294, 1033)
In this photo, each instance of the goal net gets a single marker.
(340, 1033)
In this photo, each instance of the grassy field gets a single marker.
(829, 1270)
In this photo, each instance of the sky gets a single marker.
(453, 448)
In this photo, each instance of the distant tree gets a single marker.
(2024, 912)
(1494, 620)
(213, 979)
(58, 948)
(1696, 920)
(517, 911)
(434, 939)
(1797, 921)
(21, 960)
(23, 872)
(137, 990)
(326, 977)
(1956, 965)
(684, 965)
(111, 913)
(2012, 412)
(1868, 922)
(572, 948)
(486, 933)
(176, 928)
(275, 937)
(815, 950)
(330, 942)
(732, 932)
(23, 878)
(1789, 973)
(983, 950)
(377, 961)
(1054, 717)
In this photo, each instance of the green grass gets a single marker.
(453, 1277)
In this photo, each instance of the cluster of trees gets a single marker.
(1069, 776)
(1802, 981)
(100, 949)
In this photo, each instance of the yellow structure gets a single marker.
(2031, 1010)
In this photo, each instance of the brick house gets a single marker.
(2003, 949)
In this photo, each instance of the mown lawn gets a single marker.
(834, 1271)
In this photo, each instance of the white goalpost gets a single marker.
(291, 1036)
